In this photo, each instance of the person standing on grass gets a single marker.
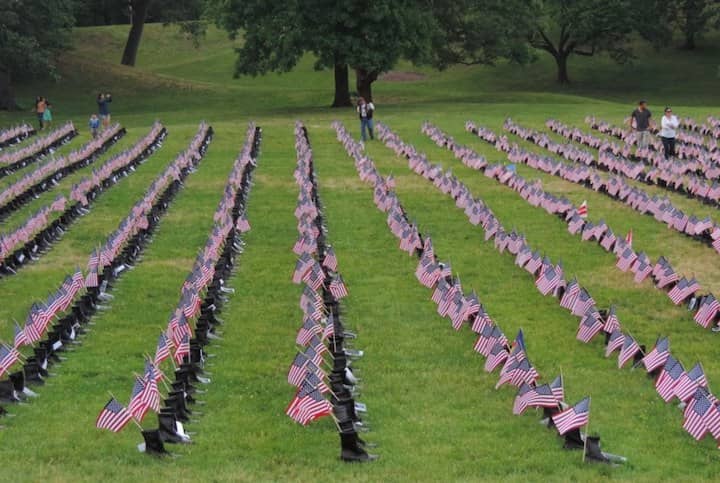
(94, 125)
(641, 122)
(669, 124)
(365, 112)
(103, 102)
(47, 115)
(40, 105)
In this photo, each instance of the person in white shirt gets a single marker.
(365, 112)
(669, 124)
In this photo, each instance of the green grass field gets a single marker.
(434, 411)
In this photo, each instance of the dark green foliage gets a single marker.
(30, 42)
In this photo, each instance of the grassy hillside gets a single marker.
(434, 411)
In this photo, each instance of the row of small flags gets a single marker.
(661, 208)
(126, 242)
(33, 151)
(34, 237)
(202, 296)
(511, 357)
(679, 289)
(15, 134)
(691, 178)
(44, 176)
(323, 388)
(687, 386)
(689, 146)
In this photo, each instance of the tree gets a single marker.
(582, 27)
(369, 38)
(693, 17)
(32, 33)
(185, 13)
(472, 32)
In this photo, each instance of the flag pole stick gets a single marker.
(587, 432)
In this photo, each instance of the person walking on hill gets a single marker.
(669, 124)
(641, 122)
(40, 105)
(103, 102)
(365, 112)
(47, 115)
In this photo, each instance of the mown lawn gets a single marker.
(433, 410)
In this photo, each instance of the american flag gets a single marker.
(311, 297)
(8, 357)
(162, 351)
(570, 295)
(525, 372)
(315, 277)
(668, 378)
(487, 340)
(629, 238)
(482, 319)
(657, 357)
(137, 406)
(33, 329)
(329, 329)
(297, 369)
(557, 388)
(627, 258)
(540, 396)
(312, 407)
(308, 329)
(616, 341)
(683, 290)
(629, 349)
(315, 378)
(611, 322)
(583, 210)
(507, 372)
(700, 415)
(689, 382)
(242, 225)
(114, 417)
(151, 395)
(498, 354)
(183, 349)
(330, 261)
(302, 266)
(548, 280)
(583, 303)
(20, 337)
(337, 287)
(574, 417)
(709, 308)
(608, 241)
(589, 327)
(308, 405)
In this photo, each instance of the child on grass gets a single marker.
(94, 125)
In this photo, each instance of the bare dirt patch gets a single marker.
(402, 76)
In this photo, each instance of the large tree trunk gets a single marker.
(562, 70)
(363, 82)
(139, 14)
(7, 93)
(689, 40)
(342, 86)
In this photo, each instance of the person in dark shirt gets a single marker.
(365, 112)
(641, 121)
(103, 102)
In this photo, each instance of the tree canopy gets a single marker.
(371, 37)
(30, 43)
